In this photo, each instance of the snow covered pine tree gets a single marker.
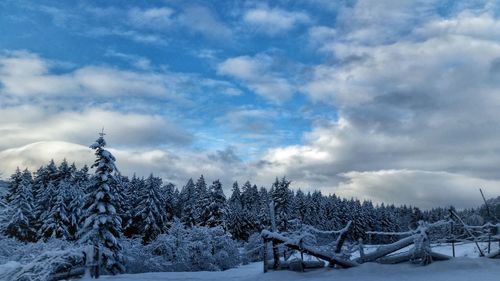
(102, 225)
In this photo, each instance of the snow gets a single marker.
(458, 269)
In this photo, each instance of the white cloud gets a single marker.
(467, 23)
(415, 117)
(173, 167)
(23, 125)
(37, 154)
(257, 73)
(424, 189)
(155, 18)
(383, 21)
(273, 21)
(320, 36)
(202, 20)
(26, 74)
(134, 60)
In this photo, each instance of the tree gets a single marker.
(56, 220)
(264, 215)
(102, 226)
(170, 202)
(151, 210)
(20, 225)
(217, 208)
(202, 202)
(14, 183)
(133, 224)
(188, 204)
(282, 203)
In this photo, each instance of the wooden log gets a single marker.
(407, 256)
(439, 257)
(277, 238)
(313, 264)
(385, 250)
(324, 256)
(396, 258)
(494, 255)
(71, 274)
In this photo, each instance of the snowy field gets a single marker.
(467, 266)
(466, 269)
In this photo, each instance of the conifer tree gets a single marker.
(20, 224)
(264, 214)
(217, 208)
(133, 224)
(188, 204)
(151, 210)
(170, 202)
(56, 220)
(282, 203)
(102, 226)
(14, 183)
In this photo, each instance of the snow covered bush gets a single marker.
(224, 249)
(140, 258)
(37, 261)
(196, 249)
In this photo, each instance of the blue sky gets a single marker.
(385, 100)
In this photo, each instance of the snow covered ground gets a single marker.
(464, 268)
(467, 266)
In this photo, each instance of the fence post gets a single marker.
(276, 255)
(265, 255)
(452, 239)
(489, 239)
(361, 250)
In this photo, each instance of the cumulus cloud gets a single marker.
(384, 21)
(416, 117)
(273, 21)
(257, 73)
(421, 188)
(175, 167)
(22, 125)
(202, 20)
(155, 18)
(26, 74)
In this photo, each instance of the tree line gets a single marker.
(64, 202)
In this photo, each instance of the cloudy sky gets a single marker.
(394, 101)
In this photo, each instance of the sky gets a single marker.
(392, 101)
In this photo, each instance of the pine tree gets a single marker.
(264, 215)
(188, 204)
(78, 188)
(282, 203)
(217, 208)
(170, 202)
(20, 225)
(56, 220)
(45, 186)
(14, 183)
(133, 225)
(102, 226)
(151, 210)
(202, 202)
(300, 205)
